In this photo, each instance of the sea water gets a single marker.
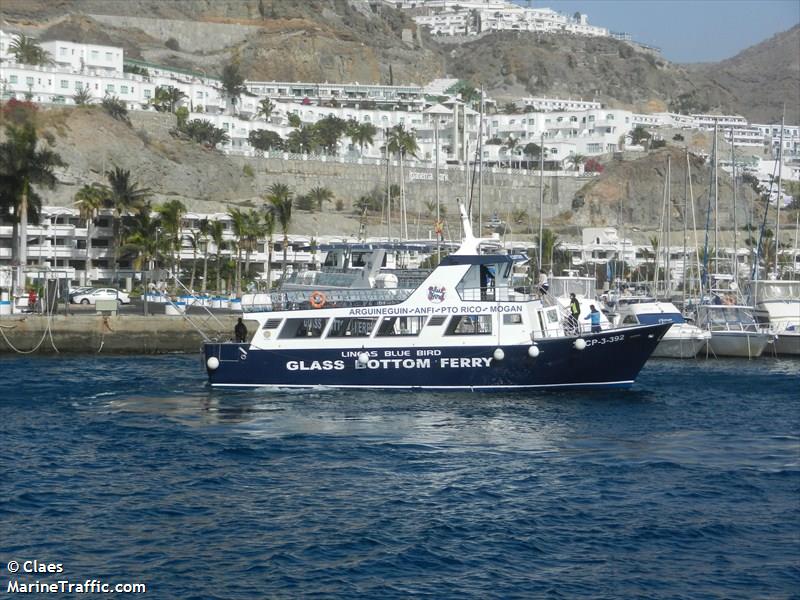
(130, 469)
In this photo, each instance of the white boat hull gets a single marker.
(744, 344)
(788, 342)
(678, 347)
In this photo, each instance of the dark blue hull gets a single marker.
(611, 358)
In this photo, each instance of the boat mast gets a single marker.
(685, 202)
(437, 227)
(480, 167)
(541, 199)
(735, 270)
(780, 197)
(388, 196)
(716, 200)
(667, 274)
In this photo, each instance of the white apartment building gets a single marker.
(85, 58)
(553, 104)
(544, 20)
(58, 85)
(720, 121)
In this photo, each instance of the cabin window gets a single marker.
(630, 320)
(470, 325)
(401, 326)
(352, 327)
(303, 328)
(512, 319)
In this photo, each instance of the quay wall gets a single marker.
(120, 334)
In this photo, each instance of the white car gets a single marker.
(92, 296)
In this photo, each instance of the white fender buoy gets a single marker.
(363, 358)
(212, 363)
(579, 344)
(533, 351)
(499, 354)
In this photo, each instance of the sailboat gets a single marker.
(722, 312)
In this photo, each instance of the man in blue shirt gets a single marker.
(595, 318)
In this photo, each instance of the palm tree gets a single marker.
(265, 109)
(166, 98)
(576, 160)
(195, 239)
(204, 229)
(280, 197)
(239, 222)
(217, 231)
(402, 142)
(124, 197)
(269, 231)
(362, 134)
(83, 96)
(251, 232)
(549, 241)
(510, 144)
(116, 108)
(319, 195)
(141, 237)
(232, 82)
(27, 51)
(90, 199)
(23, 166)
(302, 140)
(172, 213)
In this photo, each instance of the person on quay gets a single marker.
(240, 332)
(32, 300)
(594, 316)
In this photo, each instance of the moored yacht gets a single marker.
(682, 340)
(777, 304)
(734, 331)
(464, 327)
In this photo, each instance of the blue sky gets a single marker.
(687, 30)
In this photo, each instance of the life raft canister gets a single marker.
(317, 300)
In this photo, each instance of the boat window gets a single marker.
(469, 325)
(352, 327)
(295, 328)
(401, 326)
(630, 320)
(512, 319)
(552, 315)
(656, 318)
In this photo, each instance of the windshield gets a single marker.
(778, 290)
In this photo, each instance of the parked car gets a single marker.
(77, 291)
(93, 295)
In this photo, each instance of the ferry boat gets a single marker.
(464, 328)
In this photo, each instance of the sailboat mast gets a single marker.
(541, 199)
(480, 167)
(685, 201)
(436, 229)
(735, 265)
(667, 257)
(388, 196)
(780, 197)
(716, 200)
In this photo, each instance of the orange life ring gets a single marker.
(317, 300)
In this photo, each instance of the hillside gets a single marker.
(369, 42)
(760, 79)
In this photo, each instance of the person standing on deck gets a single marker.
(575, 312)
(240, 332)
(595, 318)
